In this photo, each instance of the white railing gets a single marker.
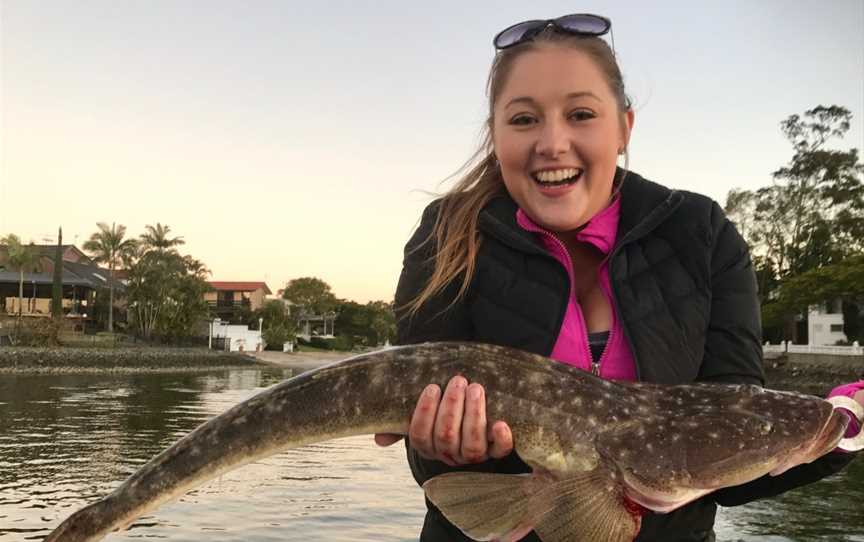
(854, 350)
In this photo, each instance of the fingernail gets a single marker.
(474, 392)
(431, 390)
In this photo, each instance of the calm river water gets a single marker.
(67, 439)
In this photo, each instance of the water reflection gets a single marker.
(68, 439)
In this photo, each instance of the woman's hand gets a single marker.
(453, 428)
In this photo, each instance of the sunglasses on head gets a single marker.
(579, 24)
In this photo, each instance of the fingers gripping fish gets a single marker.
(601, 451)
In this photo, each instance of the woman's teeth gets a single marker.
(558, 176)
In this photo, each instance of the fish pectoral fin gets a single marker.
(587, 506)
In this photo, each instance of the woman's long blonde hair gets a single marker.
(457, 238)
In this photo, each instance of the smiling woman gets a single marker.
(558, 147)
(549, 246)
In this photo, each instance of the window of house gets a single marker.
(837, 327)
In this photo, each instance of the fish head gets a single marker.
(700, 438)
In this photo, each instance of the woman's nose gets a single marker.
(553, 140)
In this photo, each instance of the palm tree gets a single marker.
(156, 238)
(22, 257)
(108, 246)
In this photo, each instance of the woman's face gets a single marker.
(556, 133)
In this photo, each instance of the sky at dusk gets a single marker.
(288, 139)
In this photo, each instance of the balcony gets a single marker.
(226, 308)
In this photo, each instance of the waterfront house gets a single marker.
(82, 281)
(825, 324)
(228, 299)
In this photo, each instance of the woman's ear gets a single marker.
(626, 127)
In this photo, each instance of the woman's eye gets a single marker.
(522, 120)
(582, 115)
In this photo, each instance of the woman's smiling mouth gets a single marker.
(557, 177)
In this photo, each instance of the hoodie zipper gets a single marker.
(594, 365)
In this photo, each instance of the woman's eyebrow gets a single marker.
(530, 101)
(584, 94)
(521, 99)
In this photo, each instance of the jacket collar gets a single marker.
(644, 204)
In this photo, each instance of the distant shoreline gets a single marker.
(809, 378)
(61, 359)
(816, 379)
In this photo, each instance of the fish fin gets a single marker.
(484, 506)
(587, 506)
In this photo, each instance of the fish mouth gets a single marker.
(830, 436)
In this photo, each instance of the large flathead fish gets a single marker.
(600, 450)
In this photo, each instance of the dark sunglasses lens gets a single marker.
(517, 33)
(584, 24)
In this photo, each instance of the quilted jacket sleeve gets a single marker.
(733, 354)
(733, 349)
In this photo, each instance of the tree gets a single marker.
(813, 214)
(166, 295)
(277, 323)
(811, 217)
(156, 238)
(21, 257)
(57, 286)
(312, 294)
(108, 246)
(374, 322)
(382, 321)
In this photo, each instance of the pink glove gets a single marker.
(849, 390)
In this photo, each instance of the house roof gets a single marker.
(71, 253)
(48, 251)
(237, 286)
(74, 274)
(97, 276)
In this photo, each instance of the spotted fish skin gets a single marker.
(659, 446)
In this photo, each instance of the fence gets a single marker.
(785, 346)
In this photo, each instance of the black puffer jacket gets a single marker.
(683, 287)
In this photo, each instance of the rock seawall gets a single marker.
(67, 359)
(816, 374)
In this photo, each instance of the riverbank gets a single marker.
(811, 377)
(781, 374)
(300, 360)
(121, 359)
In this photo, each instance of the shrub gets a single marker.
(342, 342)
(35, 332)
(274, 336)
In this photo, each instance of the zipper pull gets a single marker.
(595, 368)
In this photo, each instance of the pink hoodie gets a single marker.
(572, 345)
